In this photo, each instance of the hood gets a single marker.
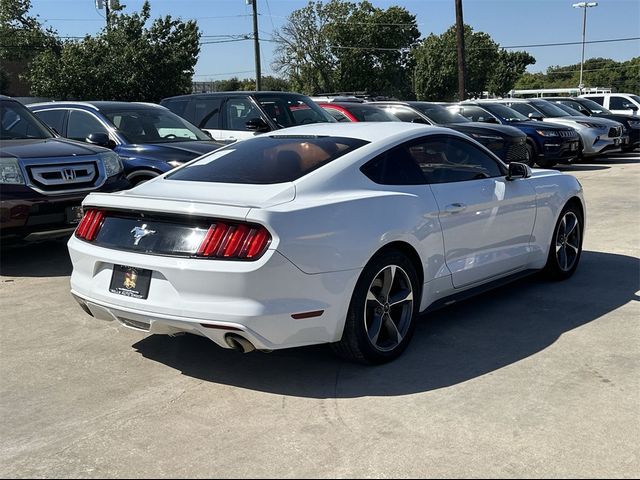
(616, 117)
(504, 131)
(603, 122)
(47, 148)
(166, 152)
(539, 125)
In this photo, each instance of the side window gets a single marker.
(403, 113)
(207, 112)
(599, 100)
(337, 114)
(394, 167)
(81, 124)
(618, 103)
(575, 105)
(178, 106)
(238, 111)
(523, 108)
(53, 118)
(445, 159)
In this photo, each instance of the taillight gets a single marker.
(90, 224)
(237, 241)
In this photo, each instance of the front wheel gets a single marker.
(566, 245)
(531, 155)
(381, 316)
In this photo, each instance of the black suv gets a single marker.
(43, 178)
(508, 143)
(590, 108)
(231, 116)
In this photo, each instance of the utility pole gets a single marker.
(584, 6)
(256, 44)
(100, 4)
(460, 41)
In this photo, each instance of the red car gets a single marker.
(357, 112)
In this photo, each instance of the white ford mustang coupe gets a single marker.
(326, 233)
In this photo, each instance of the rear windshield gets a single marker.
(267, 159)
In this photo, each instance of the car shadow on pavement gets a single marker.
(579, 168)
(43, 259)
(453, 345)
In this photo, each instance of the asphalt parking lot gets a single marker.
(535, 379)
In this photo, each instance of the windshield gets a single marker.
(17, 122)
(153, 125)
(439, 114)
(570, 110)
(509, 114)
(266, 159)
(593, 106)
(367, 113)
(636, 98)
(550, 110)
(292, 110)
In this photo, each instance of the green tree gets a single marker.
(487, 67)
(22, 37)
(345, 46)
(127, 61)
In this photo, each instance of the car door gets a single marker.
(486, 220)
(206, 114)
(620, 104)
(55, 118)
(81, 124)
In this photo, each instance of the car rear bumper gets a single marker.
(29, 215)
(269, 302)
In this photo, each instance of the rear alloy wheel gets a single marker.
(566, 246)
(380, 320)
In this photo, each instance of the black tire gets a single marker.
(364, 314)
(571, 243)
(546, 163)
(531, 155)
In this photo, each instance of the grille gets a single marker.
(517, 152)
(615, 131)
(568, 133)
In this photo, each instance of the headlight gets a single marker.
(10, 172)
(548, 133)
(634, 123)
(486, 137)
(112, 163)
(593, 125)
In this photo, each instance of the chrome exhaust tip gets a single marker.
(239, 343)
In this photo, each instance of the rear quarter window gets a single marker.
(267, 159)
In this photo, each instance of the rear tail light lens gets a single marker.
(240, 241)
(90, 224)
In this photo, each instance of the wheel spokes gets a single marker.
(402, 296)
(388, 277)
(375, 328)
(392, 329)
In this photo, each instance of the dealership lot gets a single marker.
(536, 378)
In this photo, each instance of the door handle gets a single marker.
(455, 207)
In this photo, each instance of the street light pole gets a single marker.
(460, 44)
(584, 6)
(256, 44)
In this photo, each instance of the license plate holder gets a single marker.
(130, 281)
(74, 214)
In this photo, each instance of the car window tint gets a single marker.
(53, 118)
(523, 108)
(238, 111)
(394, 167)
(267, 159)
(476, 114)
(177, 106)
(17, 122)
(403, 113)
(337, 114)
(82, 124)
(207, 112)
(290, 110)
(618, 103)
(598, 100)
(445, 159)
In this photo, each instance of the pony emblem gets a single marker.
(140, 232)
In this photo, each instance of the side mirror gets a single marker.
(101, 139)
(536, 116)
(518, 170)
(630, 106)
(420, 120)
(257, 125)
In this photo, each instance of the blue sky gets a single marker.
(509, 22)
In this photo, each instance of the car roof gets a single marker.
(235, 94)
(348, 105)
(98, 105)
(368, 131)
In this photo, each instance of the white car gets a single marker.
(325, 233)
(626, 103)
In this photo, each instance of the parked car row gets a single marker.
(116, 145)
